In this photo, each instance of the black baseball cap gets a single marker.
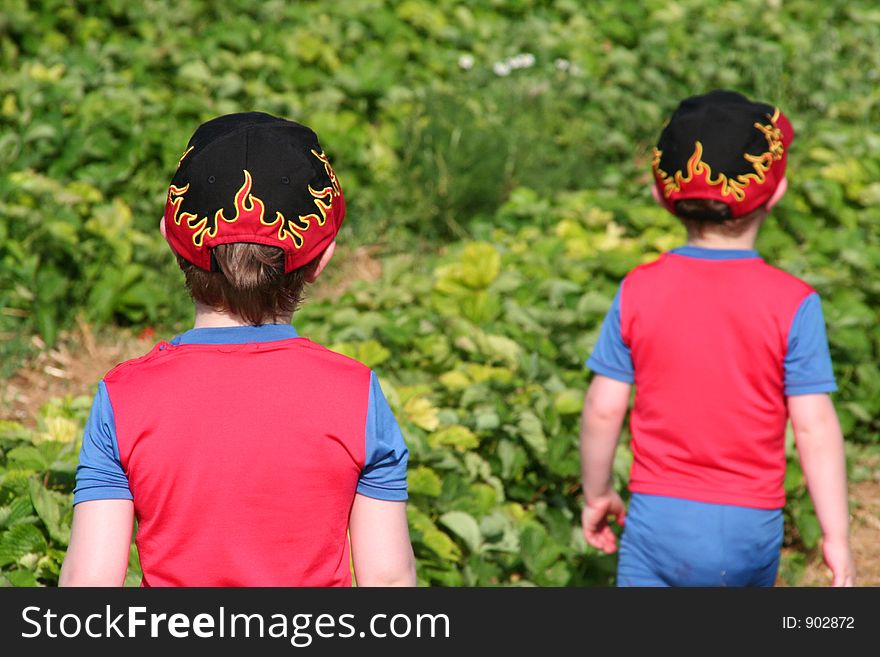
(253, 177)
(725, 147)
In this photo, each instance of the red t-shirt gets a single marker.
(711, 358)
(242, 449)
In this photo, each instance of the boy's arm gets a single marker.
(99, 544)
(605, 408)
(103, 512)
(380, 545)
(820, 447)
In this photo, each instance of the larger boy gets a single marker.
(246, 453)
(722, 349)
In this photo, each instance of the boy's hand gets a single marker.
(838, 557)
(597, 531)
(604, 411)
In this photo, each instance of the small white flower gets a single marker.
(522, 60)
(466, 62)
(562, 64)
(501, 69)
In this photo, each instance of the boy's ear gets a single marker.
(162, 227)
(322, 262)
(656, 194)
(778, 194)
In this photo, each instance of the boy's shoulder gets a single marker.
(783, 278)
(646, 268)
(757, 268)
(120, 370)
(166, 352)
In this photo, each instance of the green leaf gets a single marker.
(568, 402)
(48, 567)
(20, 541)
(369, 352)
(483, 373)
(439, 543)
(456, 436)
(487, 421)
(794, 479)
(465, 527)
(21, 577)
(28, 457)
(513, 459)
(791, 567)
(18, 509)
(13, 430)
(424, 481)
(476, 269)
(558, 574)
(133, 578)
(53, 510)
(133, 575)
(539, 550)
(47, 323)
(500, 348)
(532, 431)
(480, 264)
(807, 525)
(422, 413)
(455, 380)
(425, 532)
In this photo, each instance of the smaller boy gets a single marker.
(248, 454)
(722, 349)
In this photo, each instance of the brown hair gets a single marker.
(251, 282)
(698, 214)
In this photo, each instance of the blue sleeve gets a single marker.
(807, 360)
(384, 473)
(611, 357)
(99, 475)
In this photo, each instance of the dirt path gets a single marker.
(73, 367)
(865, 536)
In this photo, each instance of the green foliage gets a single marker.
(37, 469)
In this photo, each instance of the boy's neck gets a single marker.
(709, 240)
(207, 317)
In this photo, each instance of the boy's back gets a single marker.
(709, 333)
(228, 444)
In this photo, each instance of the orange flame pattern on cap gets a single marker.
(729, 186)
(246, 206)
(185, 153)
(323, 198)
(249, 207)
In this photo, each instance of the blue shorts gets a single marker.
(668, 541)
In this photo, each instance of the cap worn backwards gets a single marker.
(724, 147)
(252, 177)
